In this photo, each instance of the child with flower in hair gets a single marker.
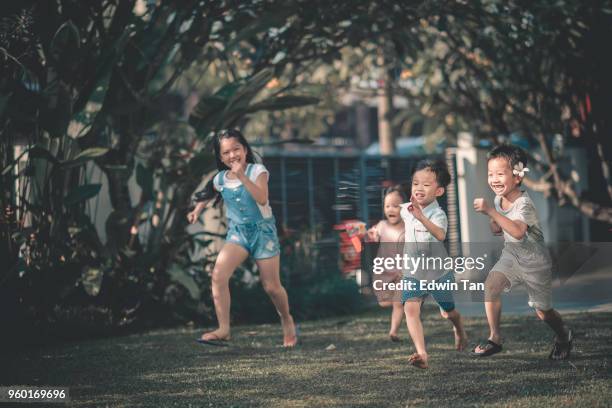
(524, 259)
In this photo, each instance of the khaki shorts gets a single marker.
(537, 279)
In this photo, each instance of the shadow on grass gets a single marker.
(168, 368)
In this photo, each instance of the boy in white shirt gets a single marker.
(426, 224)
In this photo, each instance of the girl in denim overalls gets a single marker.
(243, 186)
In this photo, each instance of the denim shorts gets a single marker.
(260, 238)
(444, 298)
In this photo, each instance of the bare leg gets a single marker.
(270, 278)
(412, 309)
(460, 336)
(229, 258)
(494, 285)
(554, 320)
(396, 320)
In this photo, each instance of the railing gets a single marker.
(320, 190)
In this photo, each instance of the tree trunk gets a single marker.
(385, 110)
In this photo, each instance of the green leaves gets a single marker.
(82, 193)
(283, 102)
(66, 37)
(234, 100)
(91, 279)
(144, 178)
(85, 155)
(64, 48)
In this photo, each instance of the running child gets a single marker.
(390, 231)
(243, 185)
(524, 259)
(426, 224)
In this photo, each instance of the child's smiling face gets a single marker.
(392, 207)
(425, 188)
(232, 151)
(500, 177)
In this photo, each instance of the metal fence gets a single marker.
(320, 190)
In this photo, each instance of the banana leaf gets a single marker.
(82, 193)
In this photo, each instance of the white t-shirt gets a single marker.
(256, 170)
(420, 242)
(529, 251)
(522, 209)
(415, 230)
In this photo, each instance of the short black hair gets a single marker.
(513, 154)
(437, 167)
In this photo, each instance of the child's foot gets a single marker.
(562, 349)
(290, 338)
(487, 349)
(418, 360)
(461, 339)
(216, 338)
(394, 337)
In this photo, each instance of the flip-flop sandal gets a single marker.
(394, 338)
(490, 348)
(417, 361)
(216, 341)
(559, 348)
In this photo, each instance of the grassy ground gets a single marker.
(167, 368)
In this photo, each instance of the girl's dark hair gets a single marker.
(437, 167)
(397, 188)
(209, 192)
(513, 154)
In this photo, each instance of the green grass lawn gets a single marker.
(167, 368)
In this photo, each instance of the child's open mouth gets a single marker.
(498, 189)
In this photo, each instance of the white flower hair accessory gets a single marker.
(520, 169)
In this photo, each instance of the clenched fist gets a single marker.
(481, 205)
(373, 235)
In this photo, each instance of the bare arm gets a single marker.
(258, 189)
(373, 235)
(436, 231)
(495, 228)
(192, 217)
(417, 212)
(517, 229)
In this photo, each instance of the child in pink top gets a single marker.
(391, 231)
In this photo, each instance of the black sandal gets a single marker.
(490, 348)
(559, 349)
